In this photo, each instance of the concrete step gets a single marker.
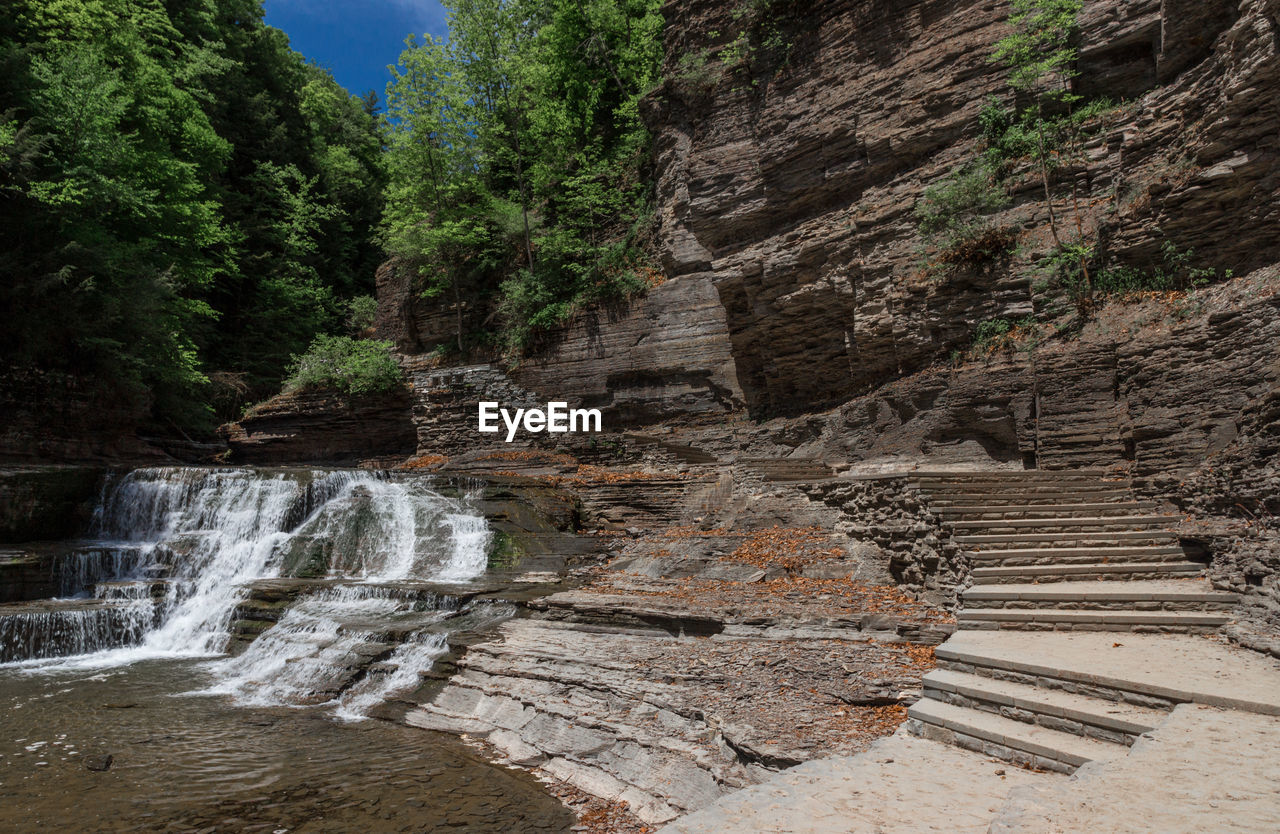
(1068, 555)
(1066, 619)
(1068, 712)
(1009, 473)
(1005, 738)
(1008, 476)
(1106, 523)
(1018, 495)
(950, 491)
(1084, 571)
(1071, 538)
(1086, 509)
(1152, 670)
(1155, 595)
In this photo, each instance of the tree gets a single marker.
(1041, 55)
(490, 37)
(435, 206)
(184, 197)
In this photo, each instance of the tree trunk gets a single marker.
(457, 307)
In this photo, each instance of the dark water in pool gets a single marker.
(202, 764)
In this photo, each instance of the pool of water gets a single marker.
(201, 763)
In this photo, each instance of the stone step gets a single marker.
(1005, 738)
(1067, 555)
(978, 512)
(1169, 595)
(946, 490)
(1153, 670)
(1084, 571)
(1020, 497)
(1068, 712)
(1070, 538)
(1066, 619)
(1109, 523)
(1005, 476)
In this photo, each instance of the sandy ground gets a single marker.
(902, 784)
(1204, 769)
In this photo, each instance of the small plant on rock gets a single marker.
(1002, 334)
(1041, 55)
(1067, 267)
(1176, 272)
(362, 312)
(955, 217)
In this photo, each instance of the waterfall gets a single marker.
(400, 671)
(184, 543)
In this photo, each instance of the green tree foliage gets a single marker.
(362, 314)
(435, 214)
(182, 196)
(341, 363)
(516, 156)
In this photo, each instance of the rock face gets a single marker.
(323, 427)
(789, 182)
(892, 513)
(47, 502)
(665, 356)
(1234, 498)
(412, 323)
(61, 418)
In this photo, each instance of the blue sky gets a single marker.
(355, 39)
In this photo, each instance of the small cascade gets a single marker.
(324, 642)
(176, 548)
(78, 572)
(401, 673)
(75, 627)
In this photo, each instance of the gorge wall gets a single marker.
(797, 318)
(785, 194)
(790, 188)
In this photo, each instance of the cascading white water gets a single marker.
(80, 629)
(216, 530)
(417, 653)
(211, 532)
(411, 657)
(312, 652)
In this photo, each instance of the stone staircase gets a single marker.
(1056, 552)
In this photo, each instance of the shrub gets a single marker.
(979, 247)
(1065, 266)
(695, 74)
(1175, 273)
(353, 366)
(362, 312)
(1002, 334)
(1007, 135)
(960, 207)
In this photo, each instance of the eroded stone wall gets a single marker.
(323, 427)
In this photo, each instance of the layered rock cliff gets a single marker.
(790, 189)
